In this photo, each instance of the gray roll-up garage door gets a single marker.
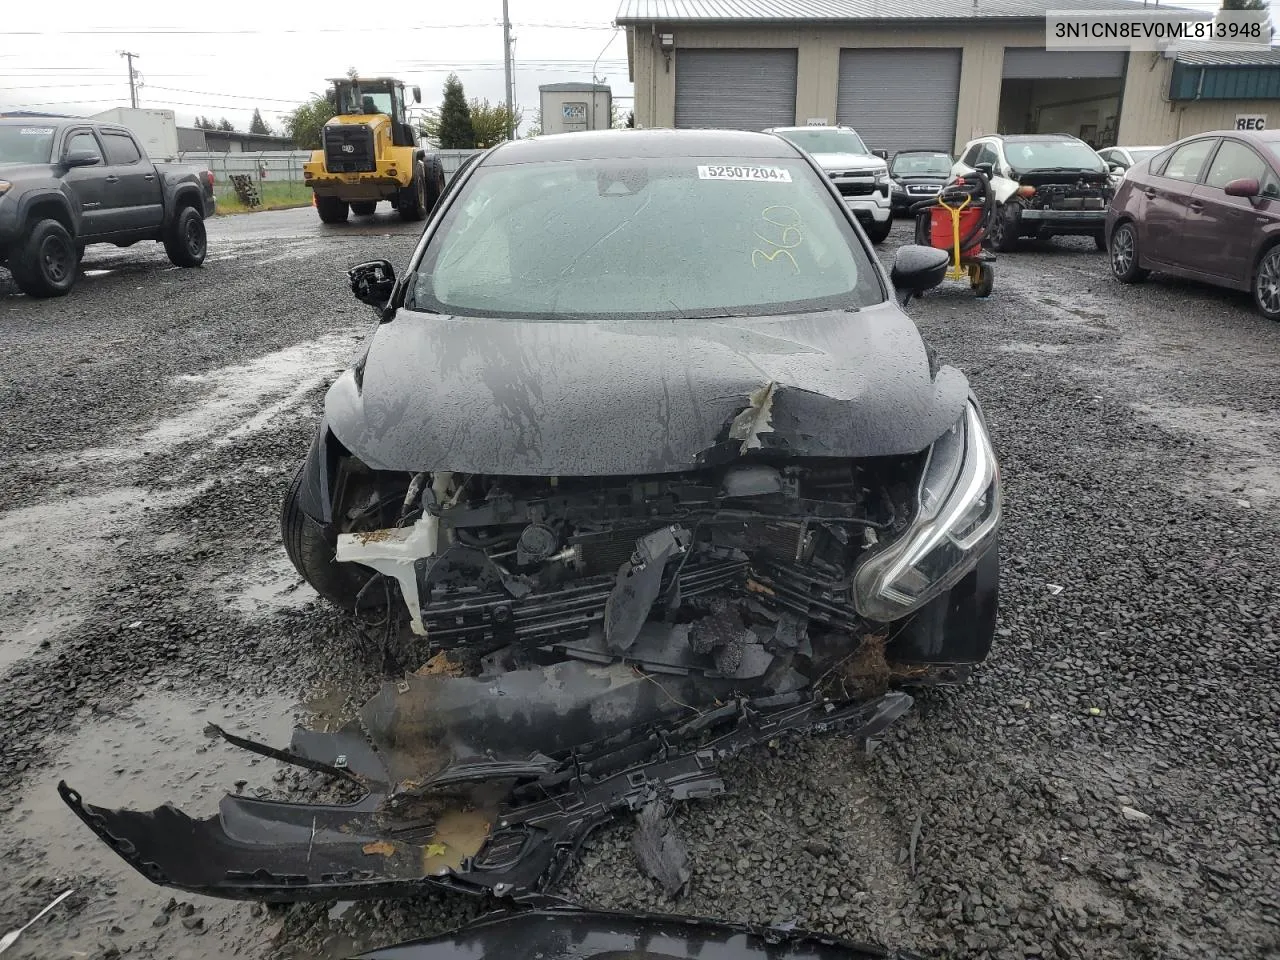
(900, 99)
(735, 89)
(1033, 63)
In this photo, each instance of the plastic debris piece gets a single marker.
(661, 852)
(10, 938)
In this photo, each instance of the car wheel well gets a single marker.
(1270, 244)
(50, 210)
(187, 198)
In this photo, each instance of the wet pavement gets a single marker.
(150, 421)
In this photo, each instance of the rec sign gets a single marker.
(1251, 121)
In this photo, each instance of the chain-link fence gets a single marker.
(274, 178)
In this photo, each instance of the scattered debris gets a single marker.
(1054, 589)
(1134, 815)
(915, 840)
(10, 938)
(662, 854)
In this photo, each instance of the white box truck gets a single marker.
(156, 130)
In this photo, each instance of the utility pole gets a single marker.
(133, 87)
(506, 64)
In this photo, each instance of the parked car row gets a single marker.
(1206, 208)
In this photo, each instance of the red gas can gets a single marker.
(941, 233)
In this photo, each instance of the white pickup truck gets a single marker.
(861, 177)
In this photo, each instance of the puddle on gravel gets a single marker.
(1033, 349)
(50, 551)
(271, 585)
(1251, 441)
(239, 399)
(153, 751)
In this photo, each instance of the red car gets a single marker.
(1207, 208)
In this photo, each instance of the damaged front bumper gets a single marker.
(479, 785)
(569, 934)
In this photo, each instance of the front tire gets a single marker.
(45, 263)
(312, 548)
(1125, 263)
(1266, 284)
(413, 198)
(1003, 236)
(185, 240)
(332, 209)
(877, 233)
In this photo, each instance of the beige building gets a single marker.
(926, 74)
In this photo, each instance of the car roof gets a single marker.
(1040, 137)
(39, 121)
(647, 144)
(922, 150)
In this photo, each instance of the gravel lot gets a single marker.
(1105, 787)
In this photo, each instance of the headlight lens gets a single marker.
(882, 175)
(4, 186)
(959, 512)
(898, 187)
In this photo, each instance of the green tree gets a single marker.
(631, 120)
(1244, 4)
(489, 122)
(204, 123)
(455, 131)
(257, 124)
(304, 125)
(227, 125)
(535, 128)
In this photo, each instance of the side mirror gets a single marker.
(373, 282)
(882, 154)
(81, 158)
(1247, 187)
(917, 269)
(988, 170)
(417, 94)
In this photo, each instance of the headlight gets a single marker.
(959, 512)
(5, 185)
(881, 175)
(898, 187)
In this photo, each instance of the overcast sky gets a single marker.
(202, 58)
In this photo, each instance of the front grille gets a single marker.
(567, 613)
(927, 189)
(856, 189)
(808, 594)
(348, 148)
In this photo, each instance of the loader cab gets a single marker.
(380, 96)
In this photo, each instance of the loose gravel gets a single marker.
(1106, 786)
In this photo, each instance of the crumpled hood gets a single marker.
(540, 398)
(848, 161)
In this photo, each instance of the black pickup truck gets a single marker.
(66, 183)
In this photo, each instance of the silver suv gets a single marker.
(861, 177)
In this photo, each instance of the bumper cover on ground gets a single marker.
(437, 811)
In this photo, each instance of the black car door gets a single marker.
(87, 183)
(136, 184)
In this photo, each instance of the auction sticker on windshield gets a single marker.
(776, 174)
(35, 131)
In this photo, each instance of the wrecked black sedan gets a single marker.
(648, 453)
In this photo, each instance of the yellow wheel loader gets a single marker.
(369, 152)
